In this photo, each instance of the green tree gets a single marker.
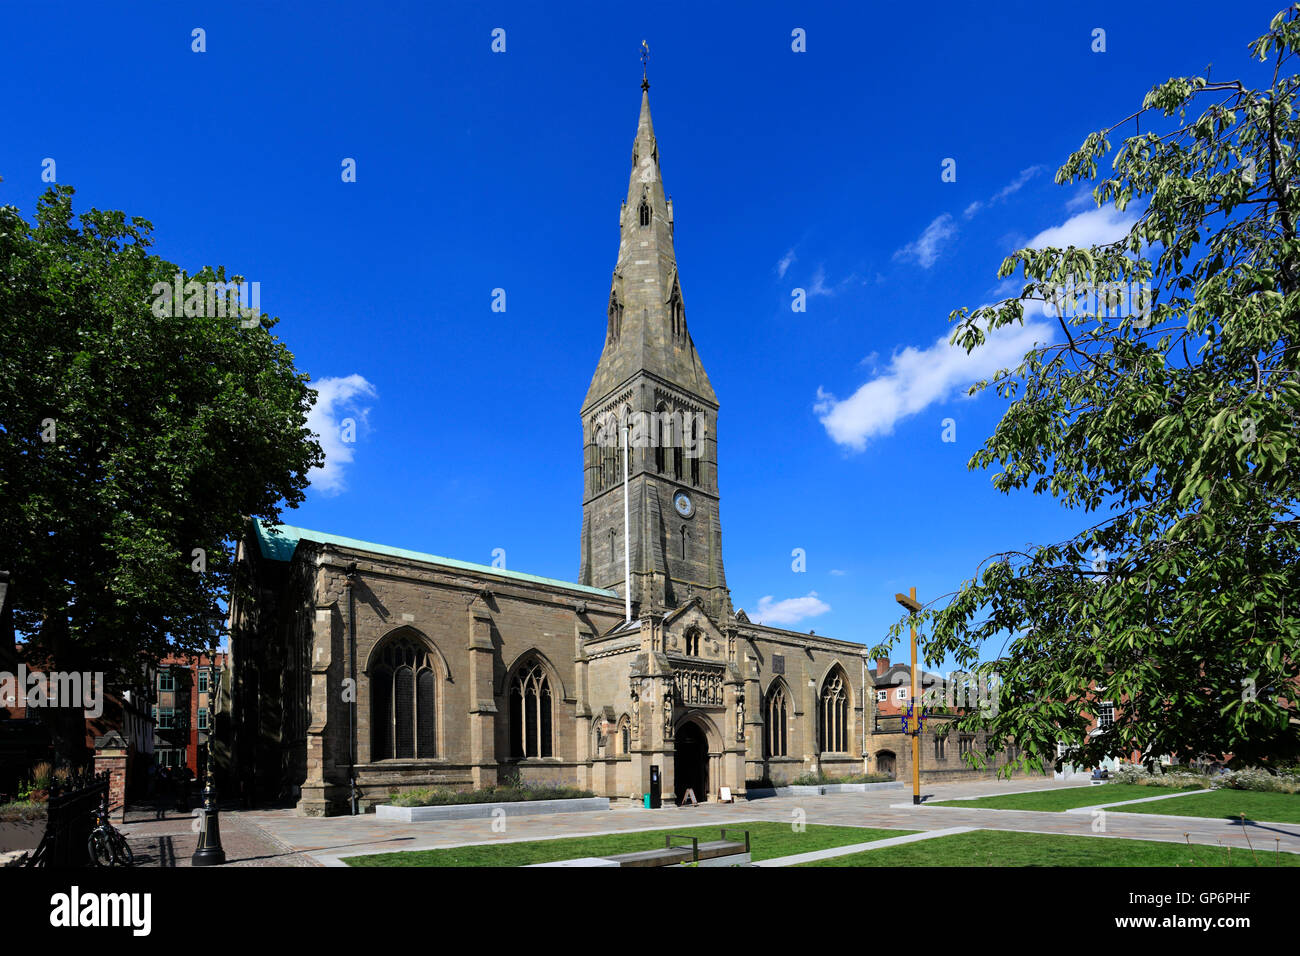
(132, 443)
(1177, 425)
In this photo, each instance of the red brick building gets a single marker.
(184, 692)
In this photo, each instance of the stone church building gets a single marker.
(399, 669)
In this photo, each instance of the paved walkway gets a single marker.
(327, 839)
(161, 835)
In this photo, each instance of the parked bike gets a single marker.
(107, 846)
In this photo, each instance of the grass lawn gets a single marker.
(1066, 798)
(1268, 807)
(766, 840)
(1004, 848)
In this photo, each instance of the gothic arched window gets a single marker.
(834, 714)
(403, 714)
(615, 317)
(530, 712)
(778, 721)
(598, 452)
(645, 213)
(624, 735)
(676, 313)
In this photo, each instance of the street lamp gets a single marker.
(209, 852)
(909, 601)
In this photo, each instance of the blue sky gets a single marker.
(476, 170)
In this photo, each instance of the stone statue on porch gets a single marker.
(668, 713)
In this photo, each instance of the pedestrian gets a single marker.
(164, 787)
(183, 789)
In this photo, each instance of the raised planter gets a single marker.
(820, 789)
(477, 811)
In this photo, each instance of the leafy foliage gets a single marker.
(438, 796)
(1180, 603)
(128, 440)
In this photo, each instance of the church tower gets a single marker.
(650, 377)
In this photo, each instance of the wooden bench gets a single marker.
(681, 849)
(688, 851)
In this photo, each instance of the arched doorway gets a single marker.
(691, 762)
(885, 762)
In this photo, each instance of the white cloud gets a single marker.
(1082, 200)
(336, 400)
(972, 209)
(1015, 184)
(925, 250)
(1094, 227)
(790, 610)
(819, 286)
(918, 378)
(838, 573)
(784, 264)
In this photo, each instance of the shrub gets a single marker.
(441, 796)
(1249, 778)
(20, 810)
(1173, 777)
(1255, 778)
(819, 778)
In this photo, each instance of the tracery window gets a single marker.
(645, 213)
(530, 712)
(835, 715)
(403, 715)
(777, 720)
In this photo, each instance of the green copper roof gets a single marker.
(280, 547)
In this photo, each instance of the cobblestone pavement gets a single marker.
(329, 838)
(161, 835)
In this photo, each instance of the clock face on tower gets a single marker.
(682, 502)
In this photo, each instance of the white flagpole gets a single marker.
(627, 538)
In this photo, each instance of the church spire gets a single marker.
(665, 513)
(646, 328)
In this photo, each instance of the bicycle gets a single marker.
(107, 846)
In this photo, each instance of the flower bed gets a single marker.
(475, 811)
(821, 779)
(22, 810)
(438, 797)
(1249, 778)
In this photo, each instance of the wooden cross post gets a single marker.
(909, 601)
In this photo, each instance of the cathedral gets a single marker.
(360, 666)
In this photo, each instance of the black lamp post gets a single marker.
(209, 851)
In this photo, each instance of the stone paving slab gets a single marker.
(168, 839)
(1122, 803)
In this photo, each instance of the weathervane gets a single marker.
(645, 53)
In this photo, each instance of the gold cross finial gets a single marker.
(645, 53)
